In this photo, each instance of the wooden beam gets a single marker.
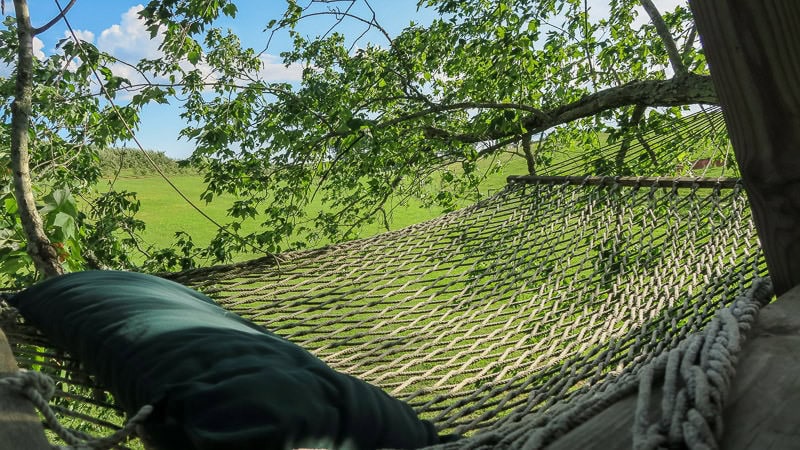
(20, 427)
(663, 182)
(753, 50)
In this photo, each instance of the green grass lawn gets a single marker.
(165, 213)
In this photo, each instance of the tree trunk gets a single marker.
(530, 159)
(39, 248)
(753, 49)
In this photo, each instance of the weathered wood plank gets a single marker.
(20, 427)
(610, 430)
(762, 406)
(761, 410)
(753, 50)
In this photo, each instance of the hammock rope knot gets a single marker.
(697, 377)
(40, 388)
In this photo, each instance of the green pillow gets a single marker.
(216, 380)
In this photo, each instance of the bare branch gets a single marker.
(541, 115)
(530, 158)
(662, 30)
(54, 20)
(339, 19)
(687, 46)
(371, 23)
(685, 90)
(497, 146)
(636, 117)
(586, 37)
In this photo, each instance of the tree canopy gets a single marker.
(408, 115)
(374, 120)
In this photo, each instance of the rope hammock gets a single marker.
(510, 321)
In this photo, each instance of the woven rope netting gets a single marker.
(491, 317)
(487, 314)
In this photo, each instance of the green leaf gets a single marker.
(10, 204)
(229, 10)
(60, 200)
(193, 56)
(66, 224)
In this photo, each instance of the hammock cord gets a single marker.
(696, 377)
(511, 321)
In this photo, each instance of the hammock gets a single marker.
(510, 321)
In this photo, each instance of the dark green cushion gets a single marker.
(216, 380)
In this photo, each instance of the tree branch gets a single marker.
(530, 158)
(684, 90)
(354, 17)
(54, 20)
(669, 43)
(539, 114)
(497, 146)
(687, 46)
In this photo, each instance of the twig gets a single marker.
(663, 31)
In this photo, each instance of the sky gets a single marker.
(114, 26)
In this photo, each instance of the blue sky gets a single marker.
(114, 27)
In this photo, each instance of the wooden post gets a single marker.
(753, 50)
(20, 427)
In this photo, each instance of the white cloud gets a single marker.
(38, 45)
(600, 9)
(126, 71)
(129, 40)
(273, 69)
(84, 35)
(7, 69)
(663, 6)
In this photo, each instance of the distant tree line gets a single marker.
(132, 160)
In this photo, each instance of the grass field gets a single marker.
(165, 213)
